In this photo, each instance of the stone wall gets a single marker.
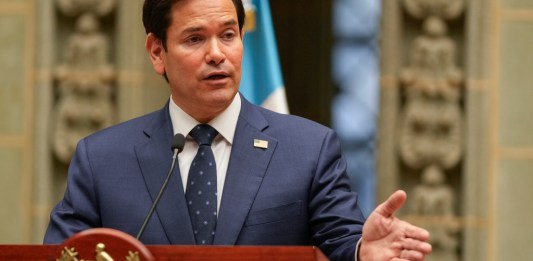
(68, 68)
(455, 126)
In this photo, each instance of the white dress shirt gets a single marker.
(225, 124)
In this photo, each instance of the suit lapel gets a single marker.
(155, 158)
(246, 169)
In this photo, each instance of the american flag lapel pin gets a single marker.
(263, 144)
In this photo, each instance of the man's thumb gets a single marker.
(393, 203)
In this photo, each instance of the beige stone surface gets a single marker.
(16, 119)
(515, 86)
(12, 210)
(517, 4)
(494, 42)
(514, 224)
(511, 228)
(12, 72)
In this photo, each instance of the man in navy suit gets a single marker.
(281, 179)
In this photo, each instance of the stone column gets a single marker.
(431, 134)
(475, 190)
(43, 198)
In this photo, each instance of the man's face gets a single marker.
(203, 57)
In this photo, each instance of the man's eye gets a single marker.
(193, 39)
(228, 36)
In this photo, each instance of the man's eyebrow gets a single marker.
(194, 29)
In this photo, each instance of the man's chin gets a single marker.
(220, 98)
(221, 93)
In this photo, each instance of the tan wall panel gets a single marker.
(513, 146)
(12, 72)
(17, 50)
(156, 92)
(515, 86)
(513, 220)
(518, 4)
(12, 211)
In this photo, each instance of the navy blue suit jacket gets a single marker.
(295, 192)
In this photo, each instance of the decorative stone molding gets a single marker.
(431, 124)
(433, 204)
(84, 77)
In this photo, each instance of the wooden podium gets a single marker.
(109, 244)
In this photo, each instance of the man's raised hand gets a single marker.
(385, 237)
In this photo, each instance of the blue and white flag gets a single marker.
(261, 82)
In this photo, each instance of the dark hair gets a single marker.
(157, 15)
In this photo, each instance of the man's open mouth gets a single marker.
(216, 77)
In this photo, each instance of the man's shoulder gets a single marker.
(292, 121)
(129, 129)
(293, 128)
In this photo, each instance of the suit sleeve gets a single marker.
(78, 209)
(335, 218)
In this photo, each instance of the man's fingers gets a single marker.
(412, 255)
(416, 245)
(393, 203)
(415, 232)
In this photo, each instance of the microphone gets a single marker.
(178, 142)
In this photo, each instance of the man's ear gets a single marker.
(156, 52)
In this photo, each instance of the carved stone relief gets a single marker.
(84, 77)
(433, 208)
(431, 135)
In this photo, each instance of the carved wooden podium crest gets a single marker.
(103, 244)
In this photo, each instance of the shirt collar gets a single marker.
(225, 123)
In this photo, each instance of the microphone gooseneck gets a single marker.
(178, 142)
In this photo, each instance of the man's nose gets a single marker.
(215, 55)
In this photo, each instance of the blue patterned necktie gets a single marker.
(201, 192)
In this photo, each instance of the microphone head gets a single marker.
(178, 142)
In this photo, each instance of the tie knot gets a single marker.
(203, 134)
